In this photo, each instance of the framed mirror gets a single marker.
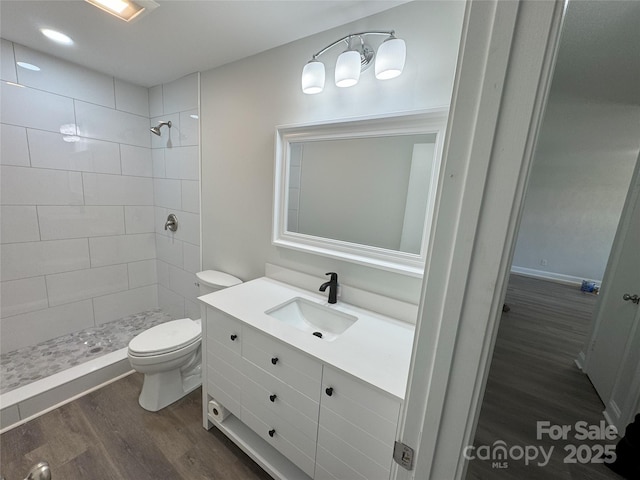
(361, 190)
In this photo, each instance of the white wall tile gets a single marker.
(189, 227)
(81, 284)
(142, 273)
(191, 255)
(36, 186)
(14, 149)
(169, 250)
(19, 224)
(162, 269)
(64, 78)
(8, 63)
(117, 190)
(52, 150)
(161, 215)
(155, 101)
(80, 221)
(32, 328)
(139, 219)
(189, 128)
(181, 94)
(28, 107)
(22, 296)
(132, 98)
(22, 260)
(136, 161)
(167, 193)
(192, 309)
(122, 249)
(183, 283)
(157, 157)
(191, 196)
(118, 305)
(103, 123)
(170, 137)
(170, 302)
(182, 162)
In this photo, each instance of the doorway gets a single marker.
(532, 376)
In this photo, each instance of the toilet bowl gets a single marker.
(170, 355)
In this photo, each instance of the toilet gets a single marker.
(169, 355)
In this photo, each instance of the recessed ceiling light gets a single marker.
(28, 66)
(194, 116)
(125, 10)
(56, 36)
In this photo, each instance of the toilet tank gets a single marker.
(212, 280)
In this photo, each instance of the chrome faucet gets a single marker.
(333, 287)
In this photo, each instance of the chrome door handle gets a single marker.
(633, 298)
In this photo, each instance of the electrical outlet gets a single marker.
(543, 262)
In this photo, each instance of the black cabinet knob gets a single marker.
(274, 360)
(233, 337)
(273, 397)
(329, 391)
(272, 432)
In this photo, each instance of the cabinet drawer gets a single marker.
(286, 439)
(287, 364)
(225, 330)
(283, 404)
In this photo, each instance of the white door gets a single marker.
(617, 312)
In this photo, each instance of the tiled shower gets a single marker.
(85, 191)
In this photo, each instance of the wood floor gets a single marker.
(533, 378)
(107, 435)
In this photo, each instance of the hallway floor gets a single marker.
(533, 378)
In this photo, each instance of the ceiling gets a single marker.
(177, 38)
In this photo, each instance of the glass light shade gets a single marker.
(313, 77)
(390, 58)
(348, 69)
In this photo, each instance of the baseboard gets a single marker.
(551, 276)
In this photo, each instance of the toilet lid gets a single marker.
(166, 337)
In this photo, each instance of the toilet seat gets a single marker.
(165, 338)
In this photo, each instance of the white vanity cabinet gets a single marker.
(329, 424)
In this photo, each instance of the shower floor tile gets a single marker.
(26, 365)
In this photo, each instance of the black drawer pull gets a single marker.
(273, 397)
(274, 360)
(233, 337)
(329, 391)
(272, 432)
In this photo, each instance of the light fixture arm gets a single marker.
(347, 38)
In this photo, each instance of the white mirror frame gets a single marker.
(422, 122)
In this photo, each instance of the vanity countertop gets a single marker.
(376, 348)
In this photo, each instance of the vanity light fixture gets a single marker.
(389, 61)
(126, 10)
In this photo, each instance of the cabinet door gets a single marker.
(357, 429)
(224, 362)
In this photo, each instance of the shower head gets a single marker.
(156, 129)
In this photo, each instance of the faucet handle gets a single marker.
(334, 277)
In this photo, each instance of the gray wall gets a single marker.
(242, 103)
(581, 172)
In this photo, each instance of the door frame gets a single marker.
(503, 76)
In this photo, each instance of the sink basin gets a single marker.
(319, 320)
